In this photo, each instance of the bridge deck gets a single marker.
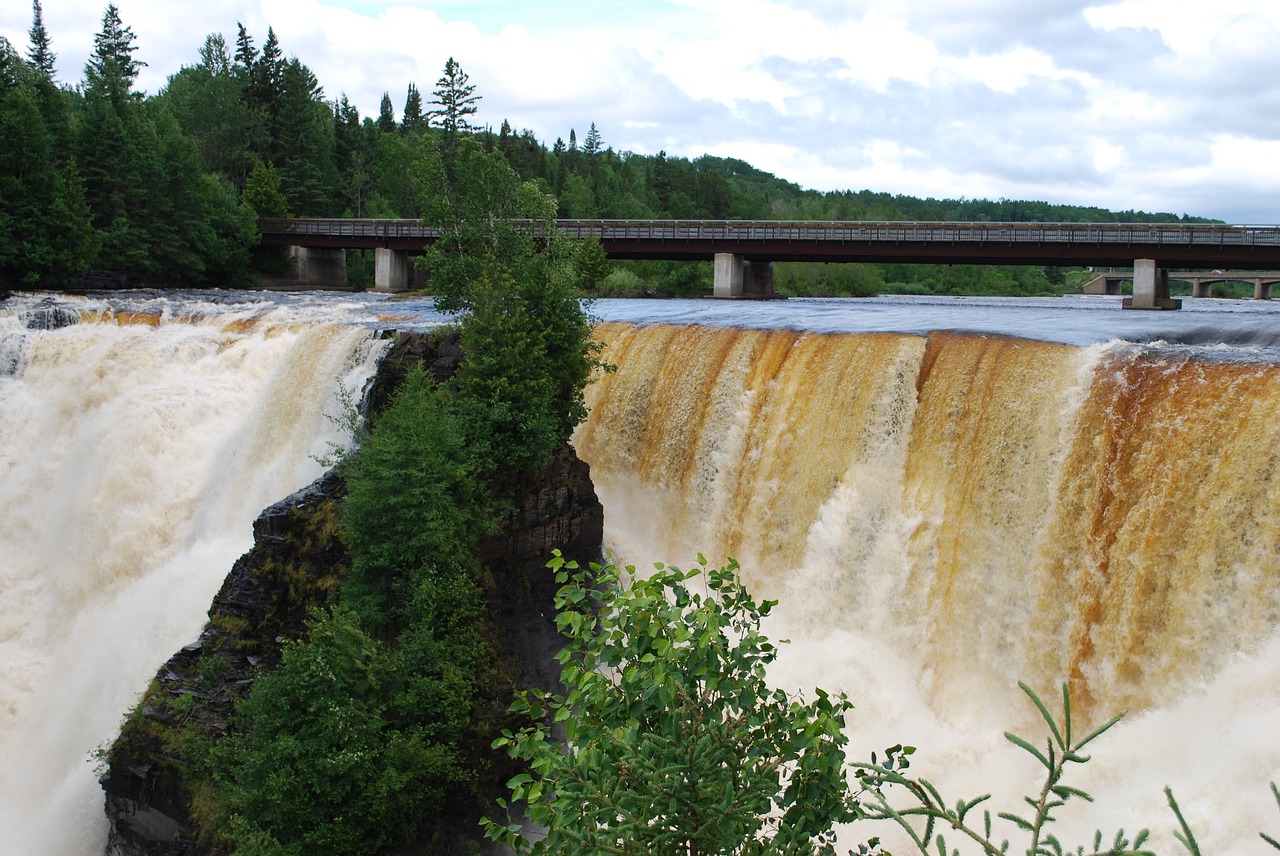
(1171, 244)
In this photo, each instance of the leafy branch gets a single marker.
(1060, 749)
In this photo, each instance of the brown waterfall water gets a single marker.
(945, 515)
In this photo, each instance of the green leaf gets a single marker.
(1023, 744)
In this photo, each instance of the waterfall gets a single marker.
(136, 448)
(942, 516)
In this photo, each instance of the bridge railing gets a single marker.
(1146, 234)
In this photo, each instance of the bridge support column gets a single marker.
(730, 269)
(1150, 287)
(737, 277)
(395, 272)
(1261, 290)
(1201, 289)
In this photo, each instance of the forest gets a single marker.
(165, 189)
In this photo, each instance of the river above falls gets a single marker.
(1250, 326)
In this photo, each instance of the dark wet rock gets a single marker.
(49, 314)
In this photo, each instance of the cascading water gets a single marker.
(136, 448)
(945, 515)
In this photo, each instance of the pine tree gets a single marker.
(413, 119)
(113, 47)
(593, 144)
(308, 174)
(40, 54)
(455, 100)
(246, 53)
(386, 115)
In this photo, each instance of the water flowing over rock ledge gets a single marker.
(152, 796)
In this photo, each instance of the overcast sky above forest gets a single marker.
(1156, 105)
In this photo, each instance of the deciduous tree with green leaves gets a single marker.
(673, 741)
(501, 263)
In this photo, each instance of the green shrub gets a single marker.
(673, 742)
(414, 500)
(320, 764)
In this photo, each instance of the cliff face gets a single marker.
(154, 793)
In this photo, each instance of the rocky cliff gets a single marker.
(154, 791)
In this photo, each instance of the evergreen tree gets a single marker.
(209, 102)
(413, 119)
(455, 100)
(593, 145)
(308, 174)
(265, 93)
(40, 54)
(386, 115)
(26, 168)
(114, 46)
(246, 53)
(355, 156)
(116, 150)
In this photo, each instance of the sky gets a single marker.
(1150, 105)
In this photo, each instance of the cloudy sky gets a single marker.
(1157, 105)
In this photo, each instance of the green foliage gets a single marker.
(673, 741)
(809, 279)
(455, 100)
(1275, 792)
(506, 384)
(326, 762)
(1062, 748)
(527, 338)
(591, 264)
(262, 192)
(414, 499)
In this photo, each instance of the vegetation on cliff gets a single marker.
(371, 731)
(374, 729)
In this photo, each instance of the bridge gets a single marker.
(1201, 281)
(744, 250)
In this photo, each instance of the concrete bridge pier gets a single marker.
(395, 272)
(1150, 287)
(738, 278)
(1201, 289)
(1261, 290)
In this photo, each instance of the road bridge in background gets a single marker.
(1201, 281)
(744, 250)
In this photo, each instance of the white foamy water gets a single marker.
(136, 449)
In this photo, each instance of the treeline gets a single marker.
(101, 176)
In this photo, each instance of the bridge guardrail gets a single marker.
(1147, 234)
